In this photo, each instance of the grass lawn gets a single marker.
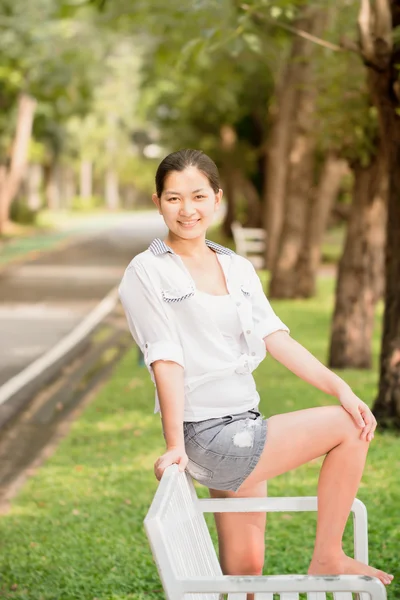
(76, 529)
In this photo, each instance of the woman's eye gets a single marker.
(176, 198)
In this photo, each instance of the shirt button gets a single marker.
(248, 331)
(253, 353)
(237, 303)
(146, 345)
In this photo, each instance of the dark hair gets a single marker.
(180, 160)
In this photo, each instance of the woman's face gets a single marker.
(187, 203)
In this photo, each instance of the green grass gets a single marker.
(333, 242)
(75, 531)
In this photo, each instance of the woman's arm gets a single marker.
(303, 364)
(170, 390)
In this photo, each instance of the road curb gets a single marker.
(18, 390)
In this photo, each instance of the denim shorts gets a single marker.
(224, 451)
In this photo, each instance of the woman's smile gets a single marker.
(188, 224)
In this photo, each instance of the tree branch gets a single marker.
(383, 23)
(364, 27)
(302, 33)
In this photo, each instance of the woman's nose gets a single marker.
(187, 209)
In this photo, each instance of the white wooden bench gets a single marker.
(250, 242)
(188, 564)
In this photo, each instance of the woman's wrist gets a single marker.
(173, 436)
(341, 387)
(175, 446)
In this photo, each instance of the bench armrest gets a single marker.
(270, 504)
(293, 504)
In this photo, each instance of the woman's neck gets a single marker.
(195, 249)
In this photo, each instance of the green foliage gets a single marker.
(80, 204)
(38, 152)
(204, 66)
(51, 57)
(139, 172)
(104, 135)
(178, 72)
(21, 213)
(347, 121)
(217, 63)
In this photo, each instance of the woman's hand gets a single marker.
(170, 457)
(360, 412)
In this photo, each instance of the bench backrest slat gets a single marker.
(250, 242)
(187, 549)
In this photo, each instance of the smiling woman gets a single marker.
(199, 314)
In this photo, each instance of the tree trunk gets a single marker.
(300, 173)
(68, 188)
(12, 178)
(319, 208)
(230, 197)
(361, 267)
(250, 192)
(33, 183)
(228, 174)
(111, 189)
(86, 179)
(52, 187)
(384, 89)
(278, 143)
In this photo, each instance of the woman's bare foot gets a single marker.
(345, 565)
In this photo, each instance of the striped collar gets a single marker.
(158, 247)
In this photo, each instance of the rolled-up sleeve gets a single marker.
(264, 317)
(151, 328)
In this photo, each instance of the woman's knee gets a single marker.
(351, 432)
(246, 561)
(241, 536)
(241, 540)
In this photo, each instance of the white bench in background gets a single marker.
(250, 242)
(188, 564)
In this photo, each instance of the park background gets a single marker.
(298, 104)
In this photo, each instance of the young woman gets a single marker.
(198, 312)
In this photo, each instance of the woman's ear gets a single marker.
(218, 197)
(157, 202)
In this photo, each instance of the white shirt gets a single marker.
(234, 393)
(169, 321)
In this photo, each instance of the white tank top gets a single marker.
(228, 395)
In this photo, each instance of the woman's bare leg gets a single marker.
(241, 536)
(296, 438)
